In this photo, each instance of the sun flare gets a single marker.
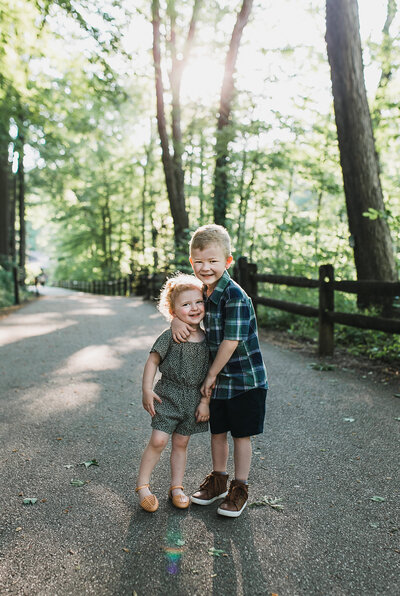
(202, 80)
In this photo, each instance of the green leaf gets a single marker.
(349, 419)
(180, 542)
(29, 501)
(323, 366)
(373, 525)
(275, 503)
(378, 499)
(77, 482)
(398, 418)
(90, 462)
(215, 552)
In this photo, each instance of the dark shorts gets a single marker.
(242, 415)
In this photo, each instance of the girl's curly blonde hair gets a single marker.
(174, 286)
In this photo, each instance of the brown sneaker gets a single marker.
(235, 501)
(212, 488)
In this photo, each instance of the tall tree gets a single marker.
(224, 130)
(172, 158)
(373, 249)
(4, 190)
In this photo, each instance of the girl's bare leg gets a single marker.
(151, 456)
(178, 460)
(219, 452)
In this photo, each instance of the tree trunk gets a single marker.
(21, 208)
(4, 196)
(224, 132)
(172, 162)
(373, 249)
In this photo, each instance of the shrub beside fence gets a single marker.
(248, 277)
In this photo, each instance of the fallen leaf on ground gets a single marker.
(322, 366)
(29, 501)
(349, 419)
(378, 499)
(215, 552)
(77, 482)
(274, 502)
(126, 550)
(90, 462)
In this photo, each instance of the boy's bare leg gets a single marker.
(219, 451)
(242, 452)
(150, 458)
(178, 460)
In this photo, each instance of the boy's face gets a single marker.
(209, 264)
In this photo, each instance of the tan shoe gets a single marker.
(179, 501)
(148, 503)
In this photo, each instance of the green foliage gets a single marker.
(6, 288)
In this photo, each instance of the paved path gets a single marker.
(70, 369)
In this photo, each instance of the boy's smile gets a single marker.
(209, 264)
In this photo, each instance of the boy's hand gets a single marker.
(203, 412)
(148, 401)
(180, 330)
(208, 385)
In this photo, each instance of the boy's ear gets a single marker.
(229, 262)
(191, 261)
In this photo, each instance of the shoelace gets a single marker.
(235, 493)
(207, 481)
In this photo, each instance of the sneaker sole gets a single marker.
(227, 513)
(203, 502)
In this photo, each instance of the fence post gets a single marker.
(326, 303)
(246, 273)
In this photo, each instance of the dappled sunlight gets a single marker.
(90, 358)
(19, 327)
(96, 311)
(125, 345)
(44, 402)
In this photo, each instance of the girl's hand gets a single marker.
(180, 330)
(148, 401)
(202, 412)
(208, 386)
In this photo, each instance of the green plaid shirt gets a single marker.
(230, 315)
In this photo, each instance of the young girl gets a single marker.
(179, 410)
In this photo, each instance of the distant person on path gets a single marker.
(237, 378)
(175, 404)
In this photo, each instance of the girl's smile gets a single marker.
(189, 307)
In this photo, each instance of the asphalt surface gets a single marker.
(70, 375)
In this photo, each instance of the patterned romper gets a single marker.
(183, 367)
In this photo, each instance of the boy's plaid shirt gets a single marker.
(230, 315)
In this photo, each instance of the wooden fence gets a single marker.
(245, 273)
(248, 277)
(143, 284)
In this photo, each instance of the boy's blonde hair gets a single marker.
(174, 286)
(211, 234)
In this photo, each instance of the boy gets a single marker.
(237, 379)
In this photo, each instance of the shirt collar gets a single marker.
(220, 287)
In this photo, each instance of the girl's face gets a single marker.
(189, 306)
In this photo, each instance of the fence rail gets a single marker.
(148, 286)
(248, 277)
